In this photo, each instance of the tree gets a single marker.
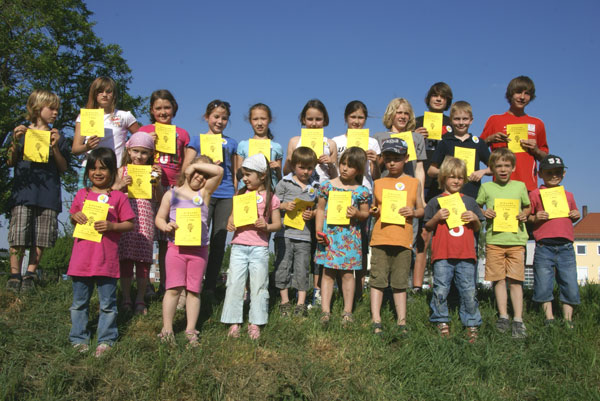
(50, 44)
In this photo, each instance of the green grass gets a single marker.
(297, 358)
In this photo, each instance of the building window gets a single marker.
(581, 249)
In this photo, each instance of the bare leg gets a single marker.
(285, 298)
(501, 297)
(301, 297)
(34, 259)
(421, 261)
(400, 303)
(16, 259)
(169, 305)
(327, 289)
(516, 297)
(348, 287)
(567, 312)
(376, 301)
(547, 307)
(192, 310)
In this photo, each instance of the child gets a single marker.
(35, 198)
(217, 116)
(519, 93)
(136, 247)
(186, 264)
(340, 249)
(250, 252)
(453, 251)
(391, 243)
(554, 245)
(98, 262)
(292, 245)
(505, 251)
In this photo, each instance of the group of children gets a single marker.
(393, 206)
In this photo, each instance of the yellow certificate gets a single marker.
(555, 202)
(455, 205)
(166, 137)
(92, 122)
(515, 133)
(506, 215)
(313, 138)
(408, 138)
(391, 202)
(94, 211)
(189, 223)
(433, 122)
(141, 187)
(293, 218)
(37, 146)
(211, 145)
(468, 156)
(245, 211)
(358, 138)
(337, 207)
(260, 146)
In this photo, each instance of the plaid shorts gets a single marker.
(32, 226)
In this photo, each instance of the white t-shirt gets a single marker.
(341, 143)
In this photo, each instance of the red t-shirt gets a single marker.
(170, 164)
(561, 227)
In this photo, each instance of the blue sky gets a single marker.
(283, 53)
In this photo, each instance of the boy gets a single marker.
(519, 93)
(453, 251)
(35, 199)
(391, 243)
(554, 245)
(505, 250)
(292, 245)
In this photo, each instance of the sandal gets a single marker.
(285, 309)
(325, 317)
(253, 331)
(377, 328)
(192, 337)
(101, 349)
(444, 329)
(140, 308)
(347, 318)
(166, 337)
(472, 333)
(234, 331)
(81, 347)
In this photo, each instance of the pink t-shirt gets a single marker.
(561, 227)
(249, 235)
(99, 258)
(170, 164)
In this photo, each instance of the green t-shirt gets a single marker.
(488, 192)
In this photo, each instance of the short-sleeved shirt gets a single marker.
(170, 163)
(230, 145)
(288, 190)
(432, 187)
(488, 192)
(526, 168)
(561, 227)
(38, 184)
(249, 235)
(419, 141)
(452, 243)
(276, 154)
(446, 148)
(341, 145)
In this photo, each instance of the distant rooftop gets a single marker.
(588, 227)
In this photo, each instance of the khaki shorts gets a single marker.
(504, 261)
(390, 265)
(32, 226)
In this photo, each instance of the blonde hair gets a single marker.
(461, 105)
(502, 154)
(39, 99)
(451, 166)
(392, 108)
(202, 158)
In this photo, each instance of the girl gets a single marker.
(98, 262)
(187, 263)
(340, 251)
(136, 246)
(217, 116)
(260, 117)
(250, 252)
(163, 108)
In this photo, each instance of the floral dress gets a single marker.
(344, 249)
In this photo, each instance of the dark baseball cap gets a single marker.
(552, 161)
(394, 145)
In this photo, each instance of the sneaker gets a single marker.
(28, 283)
(234, 331)
(14, 285)
(285, 309)
(253, 331)
(300, 310)
(101, 349)
(502, 324)
(518, 330)
(472, 333)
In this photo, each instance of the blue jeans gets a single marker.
(244, 260)
(83, 287)
(546, 259)
(462, 271)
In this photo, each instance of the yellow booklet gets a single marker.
(166, 138)
(312, 138)
(468, 156)
(141, 187)
(189, 223)
(506, 215)
(293, 218)
(555, 202)
(515, 133)
(94, 211)
(245, 211)
(260, 146)
(37, 146)
(391, 202)
(433, 122)
(455, 206)
(408, 138)
(211, 145)
(337, 207)
(92, 122)
(358, 138)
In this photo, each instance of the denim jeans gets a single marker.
(462, 272)
(83, 287)
(546, 259)
(244, 260)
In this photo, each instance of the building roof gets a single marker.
(588, 227)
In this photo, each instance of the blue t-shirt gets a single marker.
(226, 189)
(276, 154)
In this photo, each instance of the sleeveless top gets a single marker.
(197, 201)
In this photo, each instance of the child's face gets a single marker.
(401, 118)
(99, 175)
(461, 120)
(303, 172)
(252, 179)
(552, 177)
(454, 183)
(437, 103)
(139, 155)
(520, 100)
(313, 118)
(347, 173)
(259, 119)
(356, 119)
(394, 163)
(502, 171)
(217, 120)
(197, 181)
(104, 98)
(162, 111)
(47, 115)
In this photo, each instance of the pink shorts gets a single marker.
(185, 266)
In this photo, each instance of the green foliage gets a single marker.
(55, 260)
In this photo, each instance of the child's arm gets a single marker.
(214, 173)
(361, 213)
(79, 145)
(236, 166)
(441, 215)
(372, 159)
(274, 225)
(433, 170)
(18, 133)
(78, 218)
(275, 166)
(163, 214)
(230, 225)
(188, 156)
(309, 214)
(59, 159)
(531, 146)
(122, 181)
(471, 219)
(477, 175)
(157, 188)
(525, 212)
(420, 175)
(103, 226)
(574, 215)
(331, 160)
(320, 218)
